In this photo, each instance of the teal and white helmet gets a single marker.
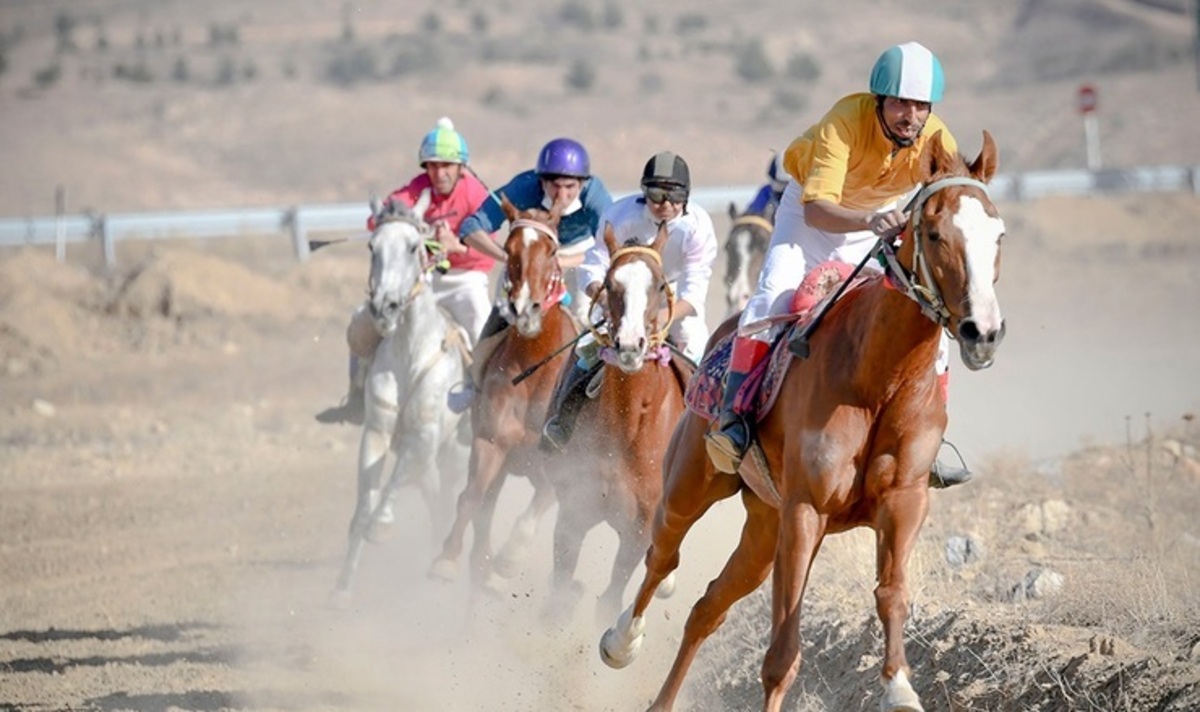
(908, 71)
(443, 144)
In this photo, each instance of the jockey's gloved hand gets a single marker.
(438, 255)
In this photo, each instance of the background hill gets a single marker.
(139, 104)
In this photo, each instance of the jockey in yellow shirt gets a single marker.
(848, 174)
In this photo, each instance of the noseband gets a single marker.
(917, 284)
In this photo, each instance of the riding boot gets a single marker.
(727, 444)
(568, 398)
(352, 409)
(947, 475)
(460, 399)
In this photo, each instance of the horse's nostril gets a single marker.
(968, 330)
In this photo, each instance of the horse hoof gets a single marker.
(506, 565)
(444, 570)
(618, 657)
(339, 599)
(898, 696)
(666, 588)
(380, 532)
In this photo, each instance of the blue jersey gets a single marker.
(525, 191)
(765, 198)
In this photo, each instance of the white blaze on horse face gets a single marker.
(637, 281)
(522, 301)
(391, 271)
(982, 234)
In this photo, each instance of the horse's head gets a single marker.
(532, 278)
(635, 292)
(398, 260)
(749, 234)
(953, 248)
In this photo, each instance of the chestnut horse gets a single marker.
(506, 419)
(612, 470)
(745, 249)
(850, 439)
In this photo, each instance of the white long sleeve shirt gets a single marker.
(688, 255)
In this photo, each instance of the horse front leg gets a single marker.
(575, 520)
(372, 452)
(416, 459)
(746, 569)
(801, 530)
(484, 465)
(692, 486)
(515, 551)
(898, 522)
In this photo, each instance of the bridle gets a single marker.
(556, 287)
(429, 261)
(659, 338)
(918, 284)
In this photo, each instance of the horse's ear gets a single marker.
(610, 239)
(556, 211)
(732, 211)
(934, 158)
(660, 240)
(375, 206)
(423, 203)
(986, 163)
(510, 210)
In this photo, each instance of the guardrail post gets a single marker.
(106, 241)
(1018, 188)
(299, 234)
(1194, 179)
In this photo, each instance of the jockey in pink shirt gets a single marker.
(462, 290)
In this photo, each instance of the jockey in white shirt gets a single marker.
(688, 257)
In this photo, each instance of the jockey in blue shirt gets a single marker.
(562, 175)
(766, 200)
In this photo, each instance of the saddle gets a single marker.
(705, 392)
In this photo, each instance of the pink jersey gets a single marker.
(466, 198)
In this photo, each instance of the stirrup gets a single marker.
(460, 397)
(553, 438)
(944, 475)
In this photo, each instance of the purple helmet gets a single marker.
(564, 157)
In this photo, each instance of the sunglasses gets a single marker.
(659, 195)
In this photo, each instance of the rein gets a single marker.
(917, 284)
(657, 340)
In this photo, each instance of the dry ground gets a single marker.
(172, 517)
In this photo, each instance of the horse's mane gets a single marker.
(397, 210)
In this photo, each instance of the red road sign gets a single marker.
(1087, 99)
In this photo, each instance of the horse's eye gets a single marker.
(933, 235)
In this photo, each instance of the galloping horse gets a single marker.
(506, 418)
(612, 471)
(407, 383)
(850, 439)
(745, 248)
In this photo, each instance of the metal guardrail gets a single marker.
(302, 221)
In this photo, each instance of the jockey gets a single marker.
(847, 174)
(688, 258)
(766, 200)
(462, 290)
(562, 175)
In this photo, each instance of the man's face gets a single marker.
(562, 189)
(443, 176)
(905, 118)
(665, 202)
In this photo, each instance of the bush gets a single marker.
(803, 67)
(751, 62)
(581, 76)
(577, 13)
(690, 23)
(48, 76)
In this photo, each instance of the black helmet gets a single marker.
(667, 169)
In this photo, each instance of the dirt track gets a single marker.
(172, 517)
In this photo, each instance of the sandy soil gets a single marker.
(172, 517)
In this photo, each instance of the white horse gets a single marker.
(414, 366)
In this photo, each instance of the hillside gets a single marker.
(139, 105)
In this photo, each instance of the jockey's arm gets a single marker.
(827, 216)
(483, 242)
(567, 261)
(683, 309)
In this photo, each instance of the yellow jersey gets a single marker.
(845, 157)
